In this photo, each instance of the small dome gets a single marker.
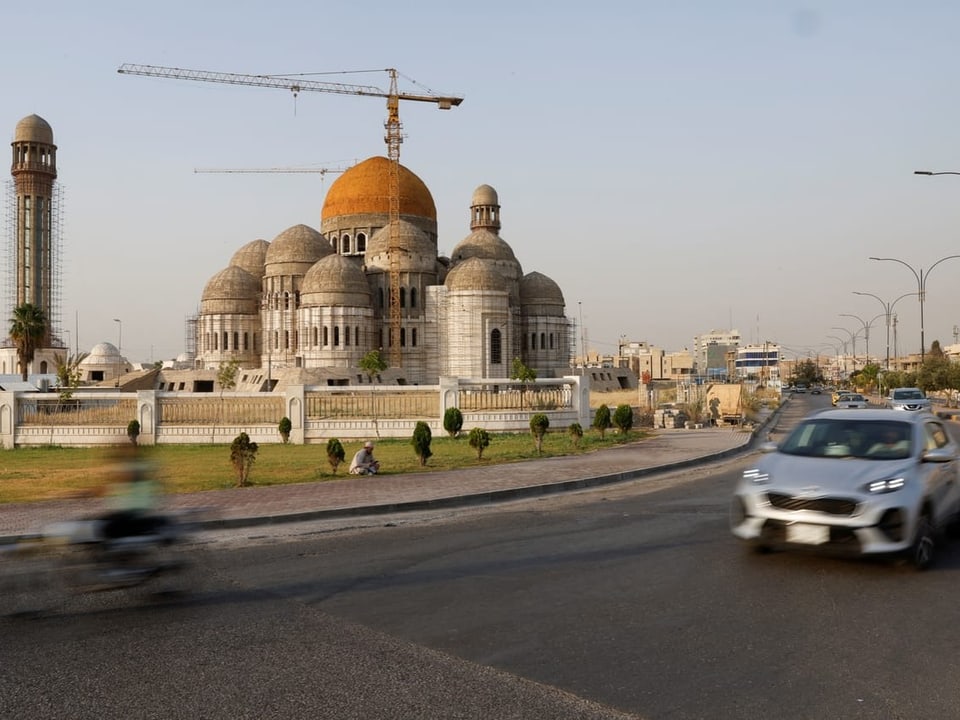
(336, 280)
(33, 128)
(483, 244)
(297, 244)
(484, 195)
(410, 239)
(538, 288)
(251, 257)
(365, 189)
(233, 291)
(102, 352)
(475, 274)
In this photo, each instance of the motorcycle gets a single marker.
(77, 557)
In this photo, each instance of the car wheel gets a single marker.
(924, 547)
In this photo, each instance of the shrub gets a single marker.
(422, 437)
(479, 440)
(576, 433)
(335, 454)
(133, 431)
(623, 418)
(243, 452)
(285, 427)
(453, 421)
(601, 420)
(538, 426)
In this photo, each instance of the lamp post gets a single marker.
(843, 344)
(888, 311)
(119, 349)
(853, 343)
(867, 324)
(921, 279)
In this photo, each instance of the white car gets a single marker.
(853, 482)
(852, 401)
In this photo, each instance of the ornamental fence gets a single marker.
(317, 413)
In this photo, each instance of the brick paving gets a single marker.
(355, 495)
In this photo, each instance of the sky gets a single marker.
(677, 167)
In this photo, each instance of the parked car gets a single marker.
(816, 390)
(911, 399)
(877, 483)
(799, 388)
(853, 401)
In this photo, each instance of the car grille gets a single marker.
(830, 506)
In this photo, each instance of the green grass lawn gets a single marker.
(55, 472)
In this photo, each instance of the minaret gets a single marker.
(485, 210)
(34, 170)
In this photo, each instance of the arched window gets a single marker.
(286, 339)
(403, 297)
(551, 341)
(403, 337)
(276, 339)
(226, 340)
(413, 297)
(346, 335)
(496, 353)
(313, 340)
(286, 301)
(361, 242)
(543, 341)
(246, 341)
(356, 335)
(336, 336)
(216, 343)
(236, 341)
(326, 336)
(345, 244)
(413, 337)
(380, 293)
(533, 341)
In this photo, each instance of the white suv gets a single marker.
(908, 399)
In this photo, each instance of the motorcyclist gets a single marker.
(133, 498)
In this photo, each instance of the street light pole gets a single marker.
(843, 344)
(888, 311)
(921, 282)
(119, 349)
(853, 342)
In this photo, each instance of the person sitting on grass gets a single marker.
(363, 462)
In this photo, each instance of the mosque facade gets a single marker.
(321, 298)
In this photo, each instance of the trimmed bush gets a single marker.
(453, 421)
(601, 420)
(479, 440)
(422, 437)
(538, 426)
(623, 418)
(335, 454)
(285, 427)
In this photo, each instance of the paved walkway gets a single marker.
(353, 495)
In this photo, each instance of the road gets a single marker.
(630, 601)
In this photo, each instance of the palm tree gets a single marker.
(28, 327)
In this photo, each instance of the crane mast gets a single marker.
(393, 138)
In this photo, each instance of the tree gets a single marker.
(452, 421)
(601, 420)
(373, 364)
(479, 440)
(28, 328)
(576, 433)
(422, 437)
(335, 454)
(623, 418)
(68, 373)
(133, 431)
(538, 427)
(243, 453)
(519, 371)
(227, 375)
(284, 429)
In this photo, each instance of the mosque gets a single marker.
(319, 300)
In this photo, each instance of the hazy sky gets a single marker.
(675, 166)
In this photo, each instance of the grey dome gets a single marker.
(485, 195)
(539, 295)
(231, 291)
(475, 274)
(33, 128)
(297, 244)
(251, 257)
(336, 280)
(418, 251)
(483, 244)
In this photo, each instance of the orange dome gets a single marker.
(365, 189)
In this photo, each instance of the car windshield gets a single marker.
(907, 395)
(871, 439)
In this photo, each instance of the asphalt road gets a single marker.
(630, 601)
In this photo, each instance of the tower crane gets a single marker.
(393, 137)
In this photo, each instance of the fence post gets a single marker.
(295, 402)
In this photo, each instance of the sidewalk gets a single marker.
(353, 496)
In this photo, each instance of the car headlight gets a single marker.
(756, 476)
(878, 487)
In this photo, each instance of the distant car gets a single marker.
(816, 390)
(877, 483)
(853, 401)
(799, 388)
(835, 395)
(911, 399)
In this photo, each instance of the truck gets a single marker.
(723, 403)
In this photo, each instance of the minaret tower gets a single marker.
(485, 210)
(34, 170)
